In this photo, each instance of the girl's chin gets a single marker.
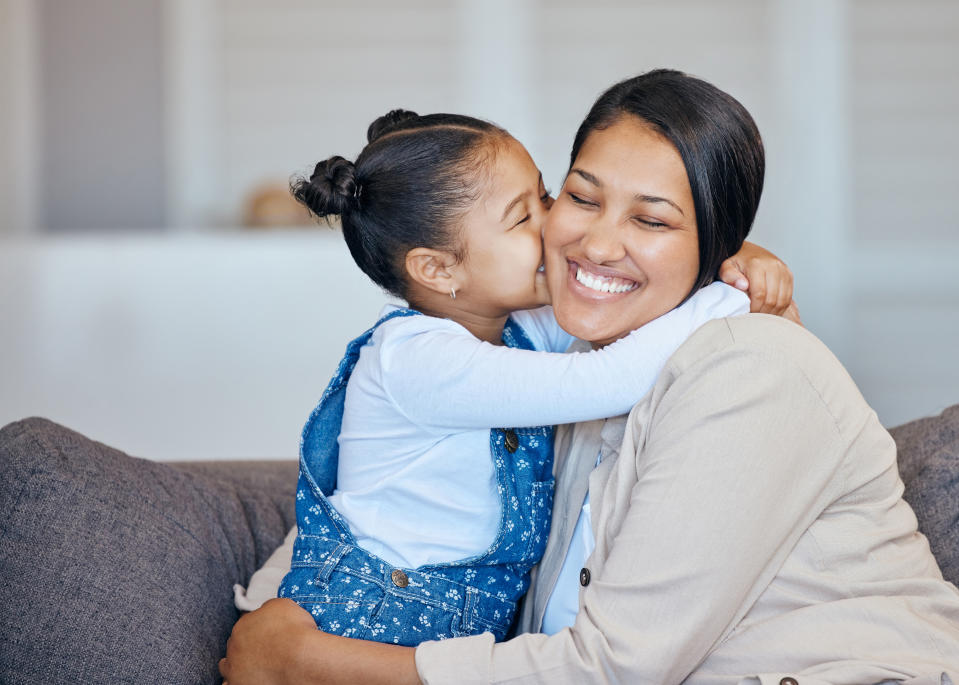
(538, 298)
(542, 290)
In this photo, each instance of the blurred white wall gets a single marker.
(138, 340)
(203, 347)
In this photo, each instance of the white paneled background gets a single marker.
(205, 340)
(903, 314)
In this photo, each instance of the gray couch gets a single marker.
(115, 569)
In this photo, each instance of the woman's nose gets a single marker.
(602, 243)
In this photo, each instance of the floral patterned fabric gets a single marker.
(352, 592)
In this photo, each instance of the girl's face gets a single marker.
(503, 237)
(621, 241)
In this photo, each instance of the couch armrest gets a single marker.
(117, 569)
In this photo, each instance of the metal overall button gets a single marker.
(512, 441)
(399, 578)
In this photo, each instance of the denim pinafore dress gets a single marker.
(352, 592)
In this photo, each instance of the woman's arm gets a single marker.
(445, 380)
(736, 454)
(279, 644)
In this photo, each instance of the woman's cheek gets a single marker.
(555, 220)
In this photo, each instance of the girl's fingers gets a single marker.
(792, 313)
(773, 289)
(785, 289)
(757, 291)
(730, 273)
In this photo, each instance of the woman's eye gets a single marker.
(651, 223)
(580, 200)
(521, 221)
(546, 196)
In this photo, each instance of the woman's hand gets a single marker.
(765, 278)
(263, 648)
(278, 644)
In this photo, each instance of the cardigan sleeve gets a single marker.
(739, 455)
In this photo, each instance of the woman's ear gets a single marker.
(433, 269)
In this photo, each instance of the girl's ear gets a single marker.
(435, 270)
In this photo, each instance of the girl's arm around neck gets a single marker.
(279, 644)
(451, 381)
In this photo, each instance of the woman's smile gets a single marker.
(598, 282)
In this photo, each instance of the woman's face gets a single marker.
(621, 244)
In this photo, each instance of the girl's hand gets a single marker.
(765, 278)
(792, 313)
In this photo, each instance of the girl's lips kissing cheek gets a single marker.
(597, 282)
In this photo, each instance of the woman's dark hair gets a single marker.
(718, 142)
(409, 187)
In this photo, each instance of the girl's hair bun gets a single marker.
(331, 190)
(388, 122)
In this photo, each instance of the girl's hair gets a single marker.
(409, 187)
(718, 142)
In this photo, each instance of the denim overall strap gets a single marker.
(514, 336)
(319, 448)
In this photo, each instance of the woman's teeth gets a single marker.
(604, 285)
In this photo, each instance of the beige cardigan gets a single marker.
(753, 530)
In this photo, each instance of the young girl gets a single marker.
(424, 518)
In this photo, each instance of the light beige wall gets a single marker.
(8, 68)
(903, 311)
(17, 118)
(102, 145)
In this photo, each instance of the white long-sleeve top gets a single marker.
(415, 480)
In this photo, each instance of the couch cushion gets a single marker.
(116, 569)
(929, 464)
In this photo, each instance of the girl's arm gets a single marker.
(446, 381)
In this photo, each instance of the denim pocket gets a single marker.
(340, 603)
(484, 613)
(340, 615)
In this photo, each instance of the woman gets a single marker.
(725, 531)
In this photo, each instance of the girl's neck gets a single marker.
(489, 329)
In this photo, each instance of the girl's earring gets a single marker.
(452, 293)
